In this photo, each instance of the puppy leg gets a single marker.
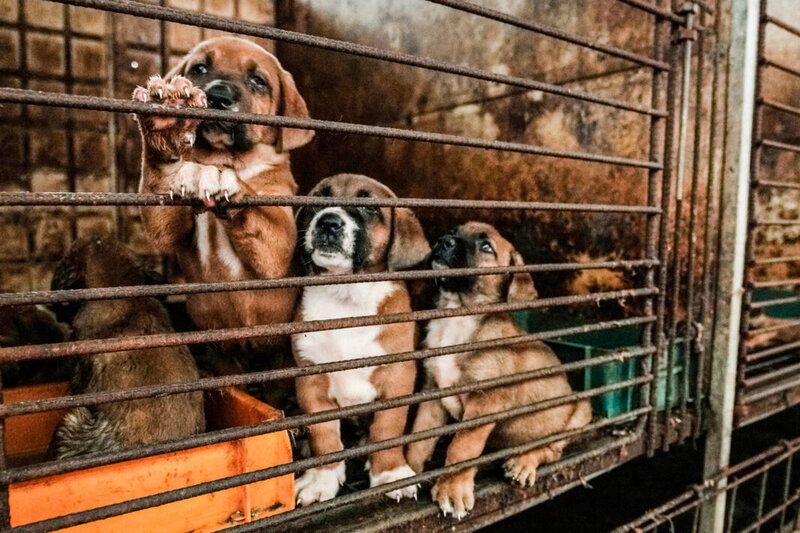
(430, 415)
(321, 483)
(455, 493)
(390, 465)
(522, 468)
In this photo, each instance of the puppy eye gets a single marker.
(199, 69)
(258, 82)
(486, 248)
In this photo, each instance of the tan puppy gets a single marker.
(337, 240)
(480, 245)
(217, 161)
(92, 263)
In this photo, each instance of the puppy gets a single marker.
(217, 161)
(98, 262)
(480, 245)
(337, 240)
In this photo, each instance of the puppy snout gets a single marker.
(446, 250)
(330, 223)
(221, 94)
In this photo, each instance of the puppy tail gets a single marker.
(82, 432)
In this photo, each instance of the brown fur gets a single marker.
(454, 493)
(94, 263)
(396, 241)
(263, 238)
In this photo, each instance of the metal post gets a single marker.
(740, 33)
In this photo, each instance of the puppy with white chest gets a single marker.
(219, 161)
(343, 240)
(480, 245)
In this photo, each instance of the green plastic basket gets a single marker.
(583, 346)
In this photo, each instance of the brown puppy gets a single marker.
(217, 161)
(341, 240)
(480, 245)
(98, 262)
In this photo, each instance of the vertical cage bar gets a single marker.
(731, 509)
(687, 47)
(740, 35)
(762, 494)
(787, 482)
(657, 152)
(5, 510)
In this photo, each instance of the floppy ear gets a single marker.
(292, 105)
(409, 245)
(521, 288)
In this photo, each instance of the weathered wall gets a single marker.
(340, 87)
(52, 47)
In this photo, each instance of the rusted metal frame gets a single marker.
(661, 145)
(378, 492)
(167, 14)
(776, 327)
(774, 260)
(769, 143)
(555, 33)
(750, 397)
(95, 346)
(14, 199)
(689, 10)
(39, 470)
(767, 352)
(303, 464)
(139, 291)
(660, 12)
(211, 383)
(783, 25)
(739, 33)
(787, 481)
(693, 328)
(69, 123)
(762, 494)
(734, 493)
(98, 103)
(655, 515)
(775, 183)
(775, 374)
(780, 66)
(775, 301)
(5, 509)
(777, 222)
(713, 194)
(756, 526)
(780, 106)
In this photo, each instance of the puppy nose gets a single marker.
(220, 94)
(330, 223)
(447, 243)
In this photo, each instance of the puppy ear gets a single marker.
(409, 245)
(521, 288)
(291, 105)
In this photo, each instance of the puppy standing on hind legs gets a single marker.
(339, 240)
(480, 245)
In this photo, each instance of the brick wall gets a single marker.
(52, 47)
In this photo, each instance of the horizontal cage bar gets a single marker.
(97, 103)
(167, 14)
(86, 347)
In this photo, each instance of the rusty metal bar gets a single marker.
(769, 143)
(761, 354)
(94, 346)
(776, 183)
(787, 481)
(97, 103)
(97, 398)
(13, 199)
(731, 508)
(13, 475)
(167, 14)
(753, 396)
(776, 301)
(783, 25)
(138, 291)
(303, 464)
(653, 10)
(787, 324)
(377, 492)
(776, 282)
(780, 66)
(756, 526)
(555, 33)
(777, 222)
(780, 106)
(773, 260)
(5, 508)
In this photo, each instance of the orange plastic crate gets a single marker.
(28, 438)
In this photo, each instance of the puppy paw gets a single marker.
(521, 470)
(318, 484)
(389, 476)
(207, 182)
(455, 494)
(169, 136)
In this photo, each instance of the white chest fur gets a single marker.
(219, 247)
(348, 387)
(446, 370)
